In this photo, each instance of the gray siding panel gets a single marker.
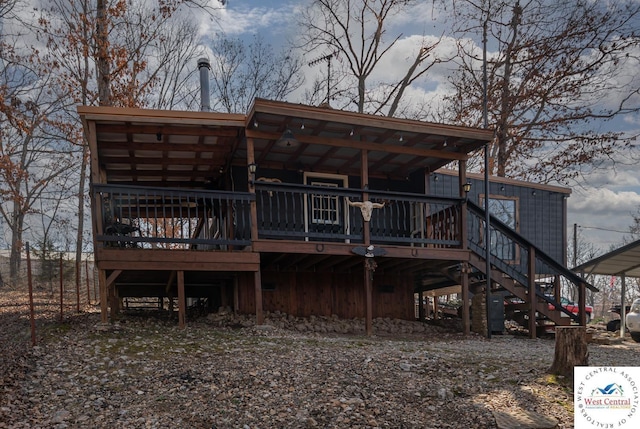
(541, 216)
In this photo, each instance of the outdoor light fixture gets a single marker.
(287, 140)
(252, 172)
(466, 187)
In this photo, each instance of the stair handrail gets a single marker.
(503, 228)
(540, 255)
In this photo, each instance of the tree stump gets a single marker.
(571, 350)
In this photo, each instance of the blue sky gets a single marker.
(603, 203)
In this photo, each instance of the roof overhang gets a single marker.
(622, 261)
(331, 140)
(160, 148)
(193, 149)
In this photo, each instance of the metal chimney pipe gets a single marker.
(204, 66)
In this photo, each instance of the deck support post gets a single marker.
(623, 304)
(464, 282)
(464, 238)
(114, 303)
(369, 267)
(236, 295)
(257, 279)
(582, 303)
(107, 294)
(182, 303)
(421, 309)
(104, 307)
(533, 299)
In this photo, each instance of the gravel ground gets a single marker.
(147, 373)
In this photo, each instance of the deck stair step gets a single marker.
(520, 292)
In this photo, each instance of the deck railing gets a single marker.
(144, 217)
(313, 213)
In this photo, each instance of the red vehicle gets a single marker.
(573, 307)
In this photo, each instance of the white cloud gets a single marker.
(239, 19)
(602, 214)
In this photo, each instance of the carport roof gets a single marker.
(624, 260)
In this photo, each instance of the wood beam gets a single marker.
(345, 249)
(185, 266)
(426, 153)
(172, 278)
(112, 278)
(167, 147)
(363, 120)
(172, 130)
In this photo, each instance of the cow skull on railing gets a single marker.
(366, 207)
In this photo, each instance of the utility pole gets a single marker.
(575, 244)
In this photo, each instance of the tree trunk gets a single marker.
(81, 186)
(103, 72)
(571, 350)
(15, 257)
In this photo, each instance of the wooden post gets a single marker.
(257, 280)
(462, 180)
(95, 285)
(436, 307)
(253, 205)
(104, 305)
(582, 303)
(421, 309)
(77, 265)
(571, 350)
(623, 306)
(366, 235)
(86, 271)
(236, 295)
(114, 302)
(32, 314)
(61, 290)
(182, 303)
(533, 299)
(466, 322)
(368, 280)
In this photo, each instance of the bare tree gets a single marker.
(33, 157)
(175, 84)
(554, 69)
(353, 35)
(117, 53)
(240, 73)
